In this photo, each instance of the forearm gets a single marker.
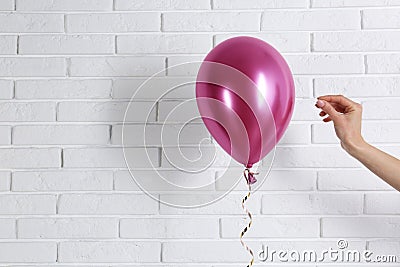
(382, 164)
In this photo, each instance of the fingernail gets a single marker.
(320, 103)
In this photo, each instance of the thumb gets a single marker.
(331, 111)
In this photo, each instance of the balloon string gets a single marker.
(246, 173)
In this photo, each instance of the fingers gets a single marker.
(327, 108)
(322, 114)
(327, 119)
(338, 99)
(338, 107)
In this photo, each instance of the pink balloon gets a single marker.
(245, 95)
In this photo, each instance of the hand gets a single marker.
(346, 117)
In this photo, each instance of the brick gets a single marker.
(64, 265)
(387, 63)
(211, 251)
(215, 251)
(384, 247)
(110, 157)
(285, 180)
(7, 5)
(71, 265)
(311, 20)
(5, 181)
(357, 86)
(303, 87)
(160, 134)
(161, 5)
(31, 23)
(312, 204)
(5, 135)
(122, 252)
(102, 204)
(381, 109)
(62, 181)
(178, 111)
(27, 204)
(313, 157)
(61, 134)
(38, 252)
(314, 245)
(325, 134)
(116, 66)
(11, 158)
(60, 5)
(278, 227)
(68, 89)
(6, 89)
(195, 158)
(361, 227)
(8, 45)
(66, 44)
(123, 180)
(305, 110)
(356, 41)
(7, 228)
(343, 180)
(113, 22)
(106, 111)
(27, 111)
(169, 228)
(353, 3)
(210, 21)
(374, 132)
(32, 66)
(230, 204)
(183, 65)
(163, 44)
(180, 265)
(43, 228)
(283, 42)
(381, 18)
(155, 88)
(296, 134)
(378, 203)
(164, 180)
(259, 4)
(326, 64)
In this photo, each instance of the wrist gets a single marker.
(354, 146)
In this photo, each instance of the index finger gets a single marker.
(339, 99)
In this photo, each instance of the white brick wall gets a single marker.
(67, 71)
(310, 20)
(66, 44)
(60, 5)
(31, 23)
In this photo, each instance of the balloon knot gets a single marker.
(250, 176)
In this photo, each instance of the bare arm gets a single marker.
(346, 117)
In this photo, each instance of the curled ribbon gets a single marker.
(250, 179)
